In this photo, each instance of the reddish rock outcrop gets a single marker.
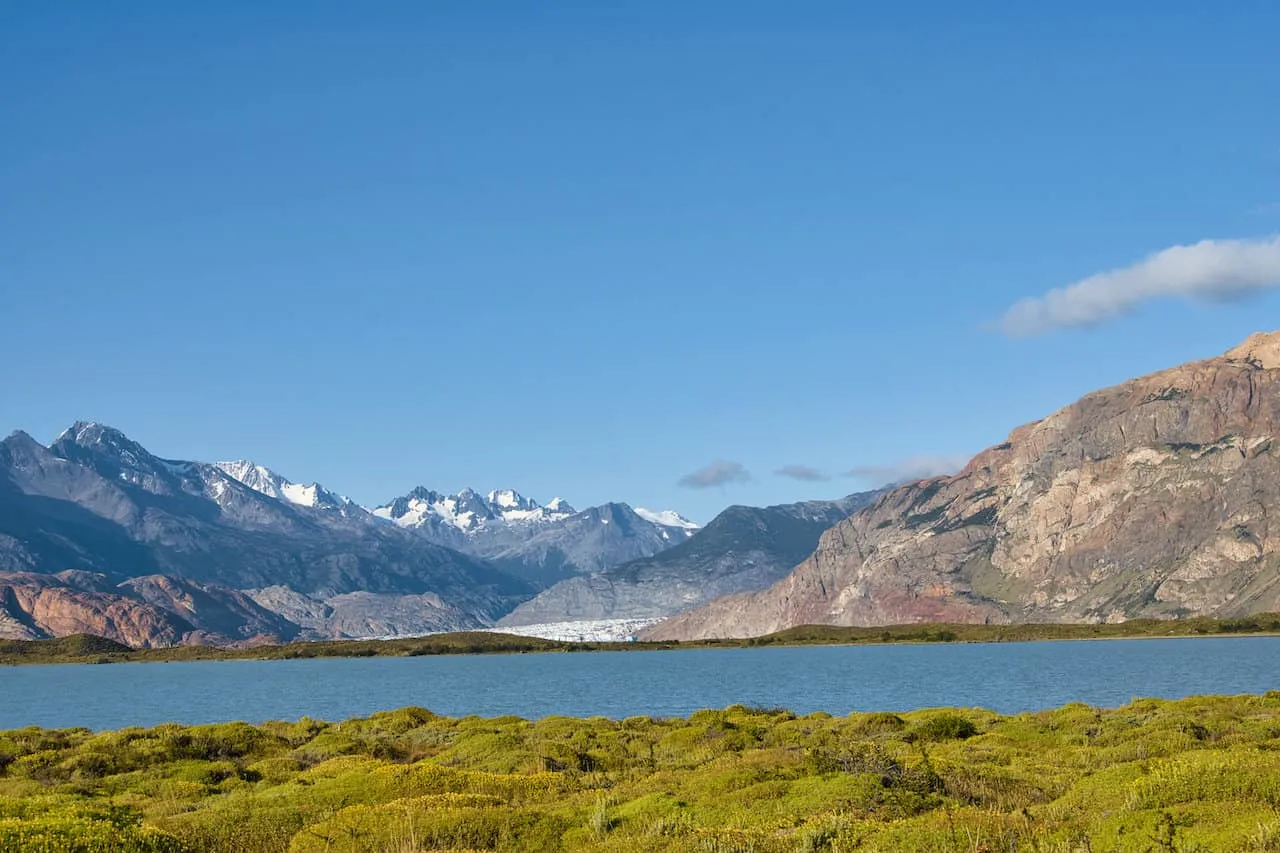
(146, 612)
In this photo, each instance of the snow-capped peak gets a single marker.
(560, 506)
(92, 440)
(468, 511)
(666, 518)
(510, 499)
(271, 484)
(256, 477)
(103, 439)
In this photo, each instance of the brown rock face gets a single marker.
(1159, 497)
(147, 612)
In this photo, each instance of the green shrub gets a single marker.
(945, 726)
(108, 831)
(1198, 774)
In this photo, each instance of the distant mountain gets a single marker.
(458, 520)
(267, 482)
(589, 541)
(542, 544)
(1153, 498)
(96, 501)
(234, 552)
(742, 548)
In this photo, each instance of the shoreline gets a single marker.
(89, 649)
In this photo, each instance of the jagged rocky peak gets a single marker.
(102, 440)
(513, 507)
(113, 453)
(422, 493)
(254, 476)
(423, 507)
(401, 506)
(614, 513)
(1262, 349)
(510, 499)
(468, 510)
(88, 433)
(560, 506)
(469, 502)
(271, 484)
(19, 448)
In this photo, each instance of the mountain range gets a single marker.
(98, 533)
(1153, 498)
(544, 544)
(742, 548)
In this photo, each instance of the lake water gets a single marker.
(1005, 677)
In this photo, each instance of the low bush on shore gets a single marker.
(1199, 774)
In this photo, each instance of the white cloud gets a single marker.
(1210, 269)
(908, 469)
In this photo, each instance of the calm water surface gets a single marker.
(1006, 677)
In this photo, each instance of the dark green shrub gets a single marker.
(946, 726)
(879, 723)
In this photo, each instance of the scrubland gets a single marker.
(1200, 774)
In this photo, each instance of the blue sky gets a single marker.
(590, 251)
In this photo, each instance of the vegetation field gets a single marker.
(1199, 774)
(83, 648)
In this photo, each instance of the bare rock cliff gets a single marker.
(1159, 497)
(147, 612)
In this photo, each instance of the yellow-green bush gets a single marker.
(435, 822)
(1201, 774)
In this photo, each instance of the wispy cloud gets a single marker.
(802, 472)
(1269, 209)
(1210, 269)
(908, 469)
(718, 473)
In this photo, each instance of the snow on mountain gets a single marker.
(666, 518)
(586, 631)
(510, 499)
(540, 543)
(271, 484)
(465, 511)
(468, 512)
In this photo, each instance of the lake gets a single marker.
(1005, 677)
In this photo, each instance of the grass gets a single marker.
(84, 648)
(1199, 774)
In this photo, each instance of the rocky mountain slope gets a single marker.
(1154, 498)
(542, 544)
(742, 548)
(154, 610)
(95, 501)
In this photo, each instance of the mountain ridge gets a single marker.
(742, 547)
(95, 501)
(1155, 498)
(544, 544)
